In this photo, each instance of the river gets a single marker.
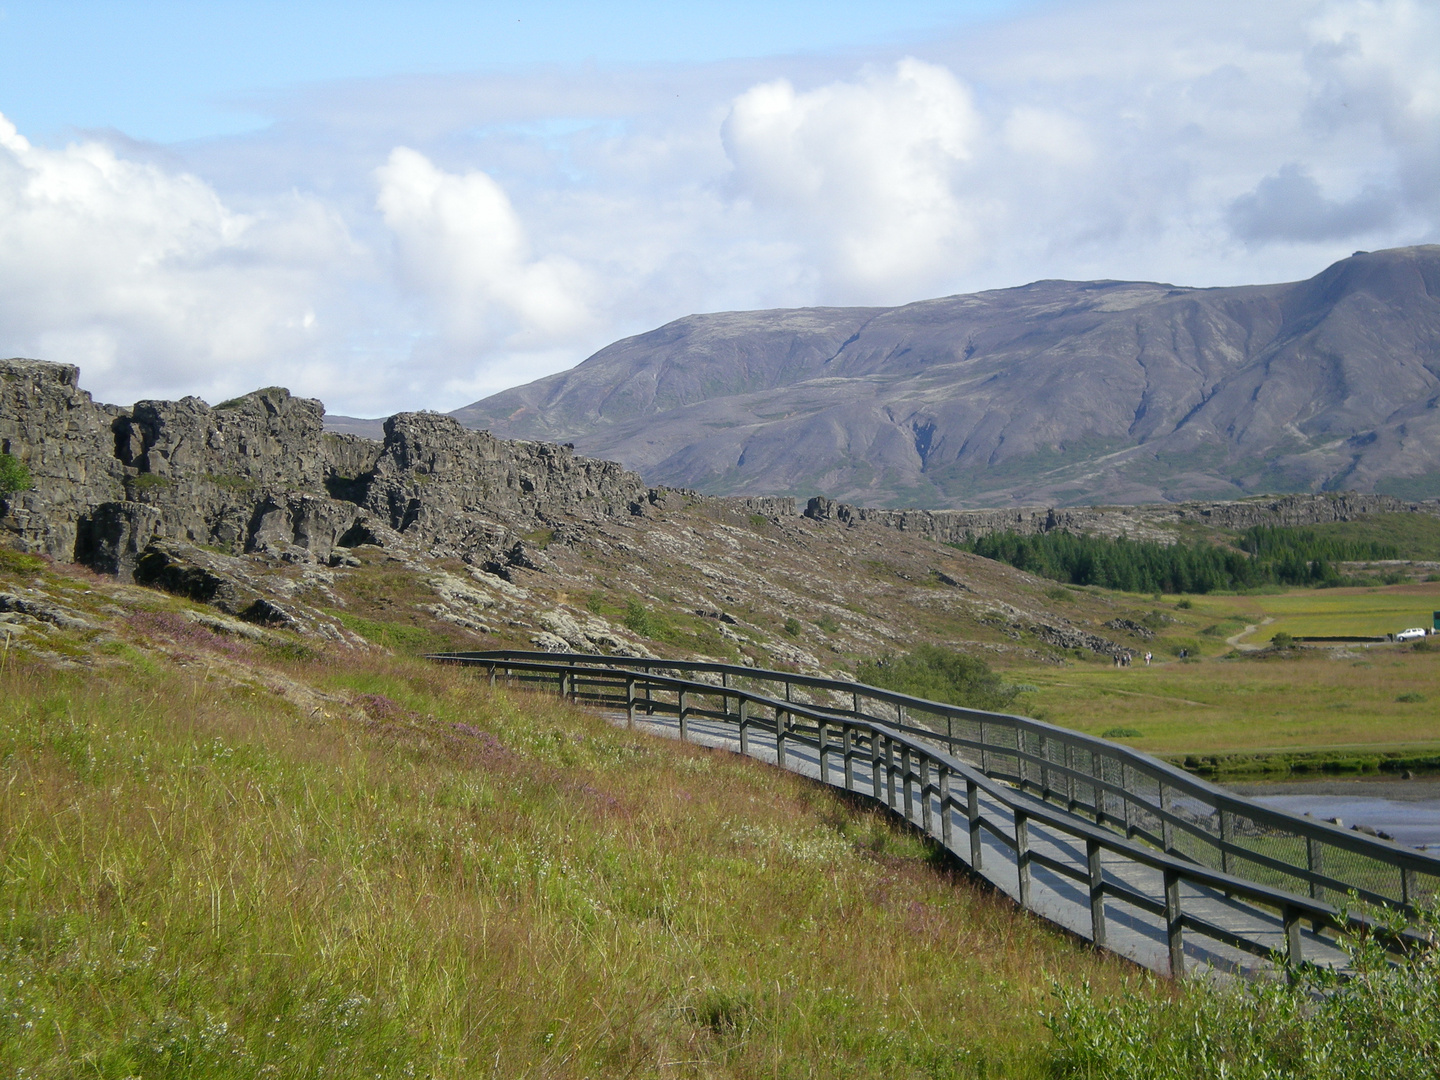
(1409, 810)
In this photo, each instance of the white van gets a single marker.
(1415, 633)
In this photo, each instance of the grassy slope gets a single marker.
(221, 861)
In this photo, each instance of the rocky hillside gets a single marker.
(1056, 393)
(438, 537)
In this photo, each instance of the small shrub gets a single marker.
(638, 618)
(792, 626)
(151, 482)
(1060, 593)
(595, 603)
(758, 521)
(827, 623)
(14, 475)
(1184, 605)
(1281, 640)
(1121, 733)
(1411, 696)
(940, 675)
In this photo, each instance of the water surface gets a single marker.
(1409, 810)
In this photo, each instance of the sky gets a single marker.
(392, 207)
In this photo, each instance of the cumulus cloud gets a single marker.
(418, 243)
(462, 247)
(149, 281)
(862, 173)
(1290, 206)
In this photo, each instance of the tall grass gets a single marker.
(384, 868)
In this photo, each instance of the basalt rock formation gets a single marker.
(157, 491)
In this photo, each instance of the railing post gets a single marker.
(1174, 926)
(926, 820)
(1125, 786)
(492, 676)
(899, 715)
(946, 828)
(1407, 886)
(950, 733)
(855, 703)
(890, 771)
(972, 815)
(984, 753)
(822, 736)
(1167, 831)
(629, 701)
(1315, 861)
(725, 698)
(1294, 947)
(1227, 837)
(876, 784)
(684, 714)
(649, 700)
(1022, 855)
(745, 726)
(1069, 777)
(847, 748)
(1097, 893)
(780, 717)
(907, 781)
(1044, 768)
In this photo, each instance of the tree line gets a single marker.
(1262, 555)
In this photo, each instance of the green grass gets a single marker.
(1349, 611)
(378, 867)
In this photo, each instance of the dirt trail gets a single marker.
(1234, 639)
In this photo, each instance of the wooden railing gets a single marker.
(937, 764)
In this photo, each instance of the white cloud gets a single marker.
(462, 246)
(418, 243)
(149, 281)
(863, 174)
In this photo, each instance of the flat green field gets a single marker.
(1362, 611)
(1353, 701)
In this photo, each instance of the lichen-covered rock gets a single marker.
(453, 490)
(259, 475)
(65, 440)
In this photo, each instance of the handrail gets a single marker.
(920, 757)
(1116, 785)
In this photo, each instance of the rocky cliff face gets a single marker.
(259, 475)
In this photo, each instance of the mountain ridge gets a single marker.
(1054, 392)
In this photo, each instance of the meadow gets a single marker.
(1352, 703)
(220, 861)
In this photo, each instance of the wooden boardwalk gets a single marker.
(1118, 848)
(1137, 935)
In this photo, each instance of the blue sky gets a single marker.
(169, 72)
(401, 207)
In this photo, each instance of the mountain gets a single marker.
(1057, 392)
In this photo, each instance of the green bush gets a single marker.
(940, 675)
(792, 626)
(1382, 1021)
(639, 619)
(1281, 640)
(14, 475)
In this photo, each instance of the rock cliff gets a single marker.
(118, 489)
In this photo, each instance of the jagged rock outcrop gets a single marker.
(119, 489)
(1147, 522)
(47, 421)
